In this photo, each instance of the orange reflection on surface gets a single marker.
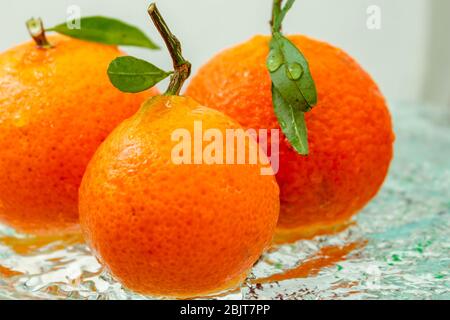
(28, 245)
(8, 273)
(326, 257)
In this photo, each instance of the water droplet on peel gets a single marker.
(294, 71)
(20, 121)
(274, 62)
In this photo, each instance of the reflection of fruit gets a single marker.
(174, 230)
(350, 130)
(57, 106)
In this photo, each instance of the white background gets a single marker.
(409, 56)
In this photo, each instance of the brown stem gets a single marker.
(37, 32)
(181, 66)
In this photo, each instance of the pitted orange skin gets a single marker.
(56, 106)
(350, 131)
(174, 230)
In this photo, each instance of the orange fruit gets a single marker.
(168, 229)
(350, 131)
(56, 106)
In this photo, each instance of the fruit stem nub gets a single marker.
(37, 32)
(182, 67)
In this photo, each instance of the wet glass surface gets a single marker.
(397, 248)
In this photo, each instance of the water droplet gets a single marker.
(294, 71)
(20, 121)
(274, 62)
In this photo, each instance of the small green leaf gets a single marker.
(279, 13)
(130, 74)
(285, 9)
(292, 122)
(293, 89)
(107, 31)
(293, 79)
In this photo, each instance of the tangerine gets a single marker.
(169, 229)
(53, 104)
(350, 130)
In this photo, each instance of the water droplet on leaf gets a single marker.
(274, 62)
(294, 71)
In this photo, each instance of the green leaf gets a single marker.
(279, 13)
(130, 74)
(293, 89)
(292, 122)
(107, 31)
(290, 73)
(285, 10)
